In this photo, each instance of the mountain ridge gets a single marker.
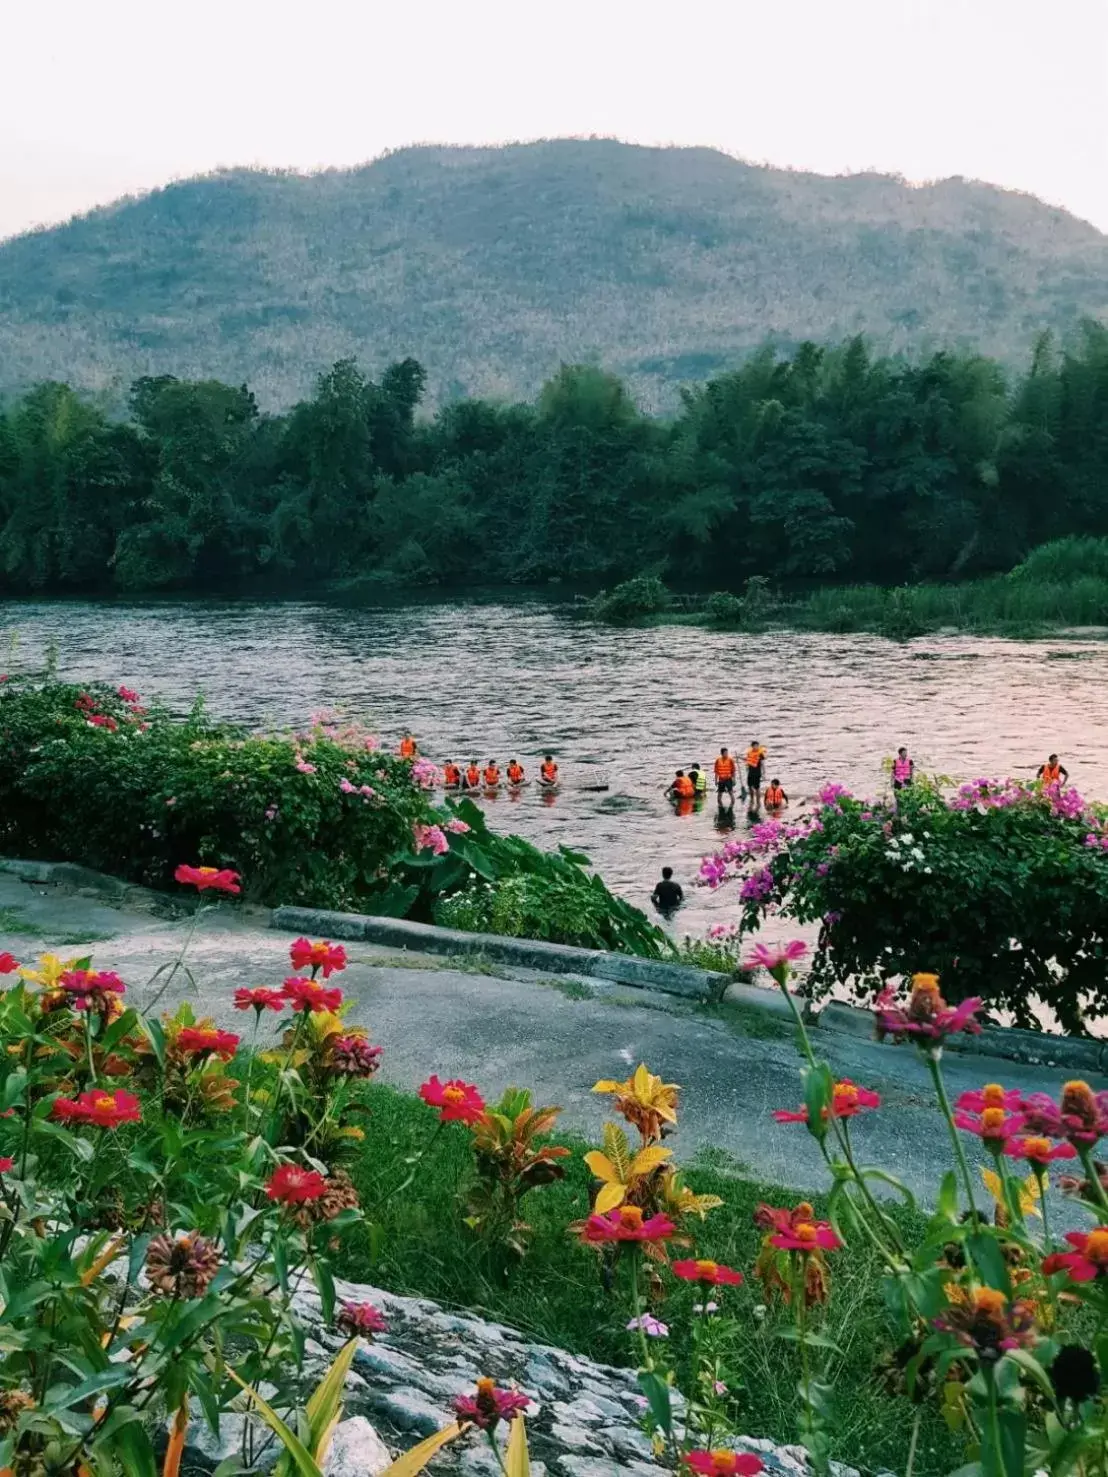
(493, 264)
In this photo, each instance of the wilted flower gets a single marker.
(847, 1101)
(182, 1266)
(1074, 1374)
(982, 1319)
(260, 999)
(457, 1101)
(207, 1041)
(627, 1223)
(708, 1273)
(1081, 1118)
(490, 1405)
(208, 879)
(292, 1185)
(13, 1403)
(322, 955)
(353, 1056)
(310, 995)
(361, 1318)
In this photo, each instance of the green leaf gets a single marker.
(14, 1085)
(809, 1338)
(657, 1398)
(1030, 1365)
(948, 1196)
(987, 1256)
(870, 1172)
(321, 1275)
(291, 1442)
(131, 1443)
(819, 1089)
(1002, 1442)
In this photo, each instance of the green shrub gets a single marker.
(725, 610)
(630, 601)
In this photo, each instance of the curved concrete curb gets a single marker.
(399, 933)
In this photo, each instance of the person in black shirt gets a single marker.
(667, 895)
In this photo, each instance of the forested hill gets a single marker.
(492, 266)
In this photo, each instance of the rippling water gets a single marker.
(622, 706)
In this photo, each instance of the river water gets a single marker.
(626, 707)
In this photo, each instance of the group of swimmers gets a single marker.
(693, 784)
(490, 776)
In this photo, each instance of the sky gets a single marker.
(104, 99)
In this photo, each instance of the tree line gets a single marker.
(826, 464)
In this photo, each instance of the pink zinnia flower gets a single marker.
(208, 879)
(207, 1041)
(1087, 1261)
(709, 1273)
(310, 995)
(775, 956)
(993, 1126)
(1038, 1152)
(807, 1236)
(8, 963)
(926, 1016)
(847, 1101)
(723, 1463)
(99, 1109)
(490, 1405)
(321, 955)
(627, 1223)
(992, 1095)
(457, 1101)
(259, 999)
(291, 1185)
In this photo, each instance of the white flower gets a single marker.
(917, 853)
(907, 838)
(928, 870)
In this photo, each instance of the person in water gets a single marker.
(775, 797)
(492, 775)
(472, 775)
(408, 748)
(699, 779)
(755, 758)
(548, 772)
(668, 895)
(1053, 772)
(451, 776)
(904, 769)
(681, 787)
(516, 775)
(725, 774)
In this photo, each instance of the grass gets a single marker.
(756, 1024)
(417, 1245)
(13, 921)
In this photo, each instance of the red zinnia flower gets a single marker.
(1038, 1151)
(305, 994)
(846, 1102)
(291, 1185)
(208, 879)
(1088, 1260)
(101, 1109)
(6, 1164)
(490, 1405)
(322, 955)
(207, 1041)
(457, 1101)
(724, 1463)
(806, 1236)
(8, 963)
(260, 999)
(89, 988)
(627, 1223)
(711, 1274)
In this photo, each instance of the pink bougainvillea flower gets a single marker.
(710, 1274)
(430, 838)
(127, 694)
(291, 1185)
(993, 1126)
(806, 1236)
(774, 956)
(992, 1095)
(303, 767)
(847, 1101)
(208, 879)
(490, 1405)
(207, 1041)
(99, 1109)
(457, 1101)
(102, 720)
(627, 1223)
(320, 955)
(310, 995)
(1038, 1151)
(259, 999)
(455, 826)
(1088, 1259)
(8, 963)
(723, 1463)
(926, 1017)
(362, 1318)
(6, 1164)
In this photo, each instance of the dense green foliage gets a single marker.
(493, 266)
(325, 818)
(828, 466)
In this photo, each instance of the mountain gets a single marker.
(493, 265)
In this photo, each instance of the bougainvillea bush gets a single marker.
(325, 817)
(1002, 887)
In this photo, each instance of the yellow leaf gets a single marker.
(609, 1197)
(110, 1252)
(646, 1161)
(518, 1462)
(606, 1084)
(602, 1166)
(1028, 1191)
(414, 1461)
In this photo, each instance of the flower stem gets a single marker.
(959, 1153)
(636, 1303)
(1086, 1158)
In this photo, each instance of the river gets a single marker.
(626, 707)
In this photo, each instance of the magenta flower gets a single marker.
(430, 838)
(775, 956)
(927, 1016)
(456, 827)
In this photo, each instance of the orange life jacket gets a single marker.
(492, 774)
(549, 771)
(407, 748)
(451, 775)
(775, 795)
(725, 768)
(1052, 774)
(684, 787)
(473, 776)
(515, 773)
(754, 757)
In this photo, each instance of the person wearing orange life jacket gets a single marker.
(681, 787)
(904, 769)
(472, 775)
(755, 758)
(775, 797)
(548, 773)
(451, 776)
(1053, 773)
(516, 774)
(724, 768)
(492, 774)
(408, 749)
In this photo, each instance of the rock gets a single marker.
(575, 1439)
(631, 1443)
(585, 1466)
(410, 1410)
(356, 1450)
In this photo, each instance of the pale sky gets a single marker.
(100, 98)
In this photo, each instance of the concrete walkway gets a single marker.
(554, 1034)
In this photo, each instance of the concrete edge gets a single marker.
(400, 933)
(115, 891)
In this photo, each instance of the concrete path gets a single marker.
(555, 1035)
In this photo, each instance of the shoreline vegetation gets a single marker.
(1061, 586)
